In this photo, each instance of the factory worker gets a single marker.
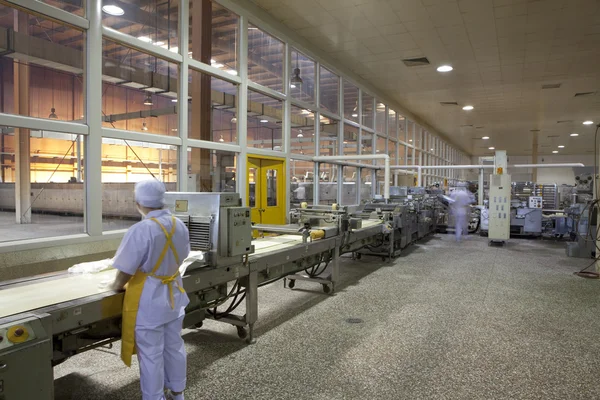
(460, 209)
(148, 261)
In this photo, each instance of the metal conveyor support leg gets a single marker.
(251, 305)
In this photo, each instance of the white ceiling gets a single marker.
(502, 52)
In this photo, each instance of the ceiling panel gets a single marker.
(502, 52)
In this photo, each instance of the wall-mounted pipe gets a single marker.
(384, 157)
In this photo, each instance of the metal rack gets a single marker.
(549, 194)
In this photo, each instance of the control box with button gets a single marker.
(239, 231)
(535, 202)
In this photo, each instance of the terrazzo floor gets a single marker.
(444, 321)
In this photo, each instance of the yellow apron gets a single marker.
(133, 293)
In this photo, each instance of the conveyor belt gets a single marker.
(33, 295)
(275, 243)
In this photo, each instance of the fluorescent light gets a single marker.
(159, 43)
(561, 147)
(189, 53)
(355, 115)
(588, 122)
(174, 49)
(554, 151)
(305, 112)
(232, 72)
(574, 134)
(431, 149)
(444, 68)
(264, 120)
(410, 140)
(293, 86)
(218, 65)
(145, 39)
(485, 137)
(174, 100)
(468, 108)
(491, 148)
(113, 10)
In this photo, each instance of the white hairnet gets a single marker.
(150, 193)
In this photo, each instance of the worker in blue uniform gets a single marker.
(148, 261)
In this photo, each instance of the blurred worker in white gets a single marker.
(460, 209)
(148, 261)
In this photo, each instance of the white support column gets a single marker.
(286, 133)
(241, 174)
(182, 100)
(480, 192)
(93, 107)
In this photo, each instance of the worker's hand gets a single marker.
(116, 286)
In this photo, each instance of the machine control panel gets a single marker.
(239, 231)
(535, 202)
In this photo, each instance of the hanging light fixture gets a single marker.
(234, 120)
(148, 100)
(144, 126)
(221, 139)
(300, 133)
(296, 80)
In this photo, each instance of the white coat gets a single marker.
(159, 345)
(460, 209)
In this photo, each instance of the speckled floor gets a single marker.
(445, 321)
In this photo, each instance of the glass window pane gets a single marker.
(149, 21)
(380, 181)
(271, 187)
(392, 152)
(381, 148)
(392, 124)
(123, 164)
(350, 140)
(302, 79)
(380, 118)
(410, 132)
(252, 175)
(350, 101)
(367, 110)
(223, 27)
(76, 7)
(302, 182)
(366, 184)
(212, 109)
(366, 143)
(327, 183)
(402, 158)
(211, 170)
(417, 137)
(329, 85)
(329, 145)
(139, 91)
(52, 178)
(265, 59)
(409, 156)
(264, 122)
(41, 68)
(349, 195)
(302, 140)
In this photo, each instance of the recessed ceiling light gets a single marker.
(588, 122)
(264, 120)
(485, 137)
(574, 134)
(445, 68)
(144, 39)
(491, 148)
(113, 10)
(468, 108)
(554, 151)
(561, 147)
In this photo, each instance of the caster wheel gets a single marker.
(199, 325)
(242, 332)
(326, 289)
(292, 283)
(250, 340)
(358, 256)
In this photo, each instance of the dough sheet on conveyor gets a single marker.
(274, 243)
(21, 298)
(369, 223)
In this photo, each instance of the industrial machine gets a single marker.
(526, 216)
(499, 201)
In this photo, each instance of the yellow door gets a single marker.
(266, 196)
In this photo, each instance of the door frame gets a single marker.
(281, 194)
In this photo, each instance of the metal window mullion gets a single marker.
(266, 91)
(130, 41)
(21, 121)
(242, 117)
(93, 106)
(210, 70)
(205, 144)
(182, 97)
(52, 12)
(141, 137)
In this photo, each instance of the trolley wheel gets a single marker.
(291, 283)
(199, 325)
(242, 332)
(326, 288)
(250, 340)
